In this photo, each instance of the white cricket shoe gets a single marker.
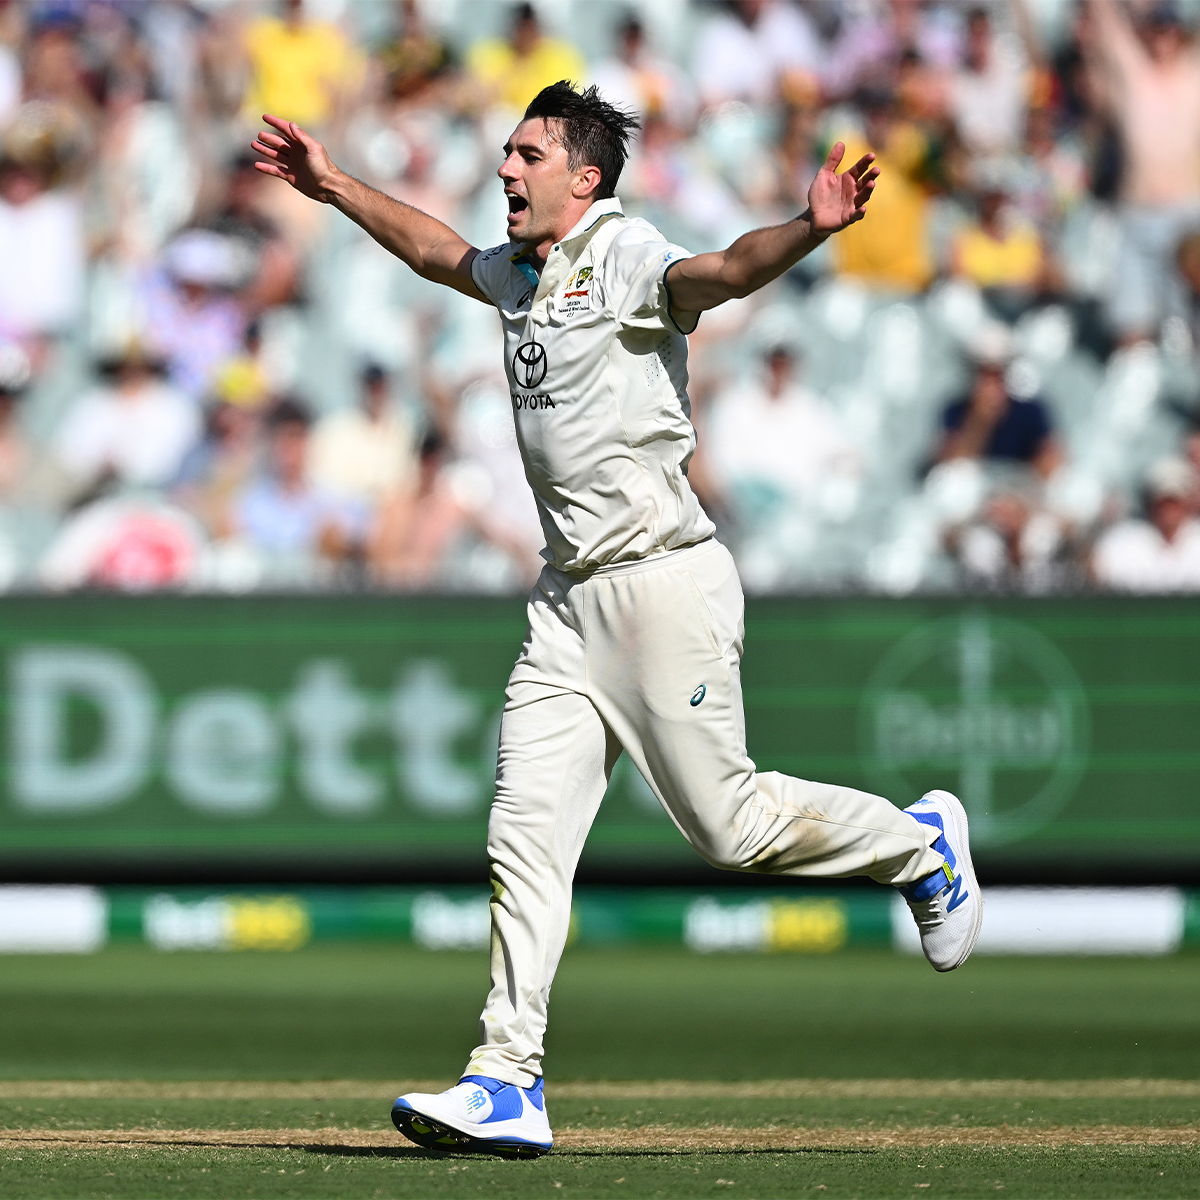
(947, 905)
(478, 1115)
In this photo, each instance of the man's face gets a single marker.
(537, 181)
(1164, 40)
(1168, 513)
(289, 447)
(990, 396)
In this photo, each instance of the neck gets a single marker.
(571, 215)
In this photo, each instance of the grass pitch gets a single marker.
(135, 1074)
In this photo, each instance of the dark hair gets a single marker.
(593, 132)
(288, 412)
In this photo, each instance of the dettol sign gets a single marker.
(983, 706)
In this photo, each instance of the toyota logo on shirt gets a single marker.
(529, 364)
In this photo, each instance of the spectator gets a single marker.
(674, 185)
(1000, 252)
(218, 468)
(1187, 260)
(797, 158)
(41, 243)
(770, 441)
(1151, 79)
(126, 543)
(282, 512)
(133, 431)
(1161, 553)
(874, 40)
(365, 452)
(416, 530)
(243, 380)
(10, 62)
(1014, 544)
(271, 267)
(1051, 177)
(637, 80)
(988, 92)
(991, 424)
(56, 71)
(191, 314)
(1191, 445)
(146, 176)
(512, 71)
(301, 70)
(891, 250)
(14, 452)
(415, 58)
(753, 48)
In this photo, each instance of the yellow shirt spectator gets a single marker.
(1009, 256)
(299, 68)
(891, 248)
(514, 79)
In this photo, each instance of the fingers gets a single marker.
(836, 154)
(861, 166)
(277, 171)
(265, 150)
(864, 193)
(286, 127)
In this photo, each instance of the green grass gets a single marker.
(383, 1011)
(336, 1172)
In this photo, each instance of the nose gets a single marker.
(508, 169)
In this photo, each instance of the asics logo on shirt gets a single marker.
(529, 364)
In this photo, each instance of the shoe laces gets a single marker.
(931, 913)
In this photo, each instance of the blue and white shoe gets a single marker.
(947, 905)
(478, 1115)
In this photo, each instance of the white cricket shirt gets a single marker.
(597, 370)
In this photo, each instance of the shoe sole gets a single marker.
(965, 866)
(434, 1135)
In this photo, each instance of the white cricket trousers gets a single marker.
(614, 661)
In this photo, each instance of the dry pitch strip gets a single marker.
(578, 1136)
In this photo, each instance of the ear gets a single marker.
(587, 180)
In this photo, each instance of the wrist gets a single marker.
(815, 234)
(335, 187)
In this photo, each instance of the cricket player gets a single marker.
(635, 625)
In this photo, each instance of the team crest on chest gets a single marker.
(577, 292)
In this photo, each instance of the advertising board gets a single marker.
(335, 736)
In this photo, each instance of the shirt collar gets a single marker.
(593, 216)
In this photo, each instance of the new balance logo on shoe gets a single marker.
(955, 894)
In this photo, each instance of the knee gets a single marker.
(728, 857)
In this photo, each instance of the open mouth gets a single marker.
(516, 204)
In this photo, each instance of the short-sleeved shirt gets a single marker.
(1018, 435)
(597, 370)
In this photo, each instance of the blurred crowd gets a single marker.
(991, 384)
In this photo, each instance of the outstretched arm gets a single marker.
(834, 201)
(432, 249)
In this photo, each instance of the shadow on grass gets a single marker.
(418, 1152)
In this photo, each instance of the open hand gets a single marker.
(295, 157)
(836, 201)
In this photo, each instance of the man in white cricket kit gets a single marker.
(635, 625)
